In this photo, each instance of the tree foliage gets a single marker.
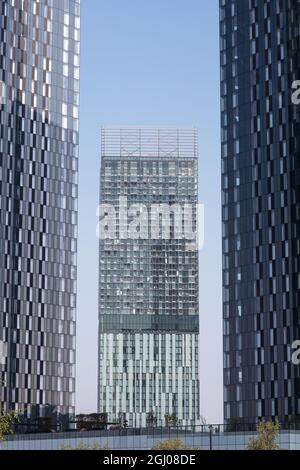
(82, 446)
(7, 419)
(268, 433)
(171, 444)
(171, 420)
(151, 419)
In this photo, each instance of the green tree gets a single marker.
(171, 444)
(151, 419)
(7, 419)
(82, 446)
(268, 433)
(171, 420)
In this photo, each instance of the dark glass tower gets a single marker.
(39, 70)
(148, 280)
(260, 182)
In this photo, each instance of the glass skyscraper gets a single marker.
(39, 73)
(148, 279)
(260, 190)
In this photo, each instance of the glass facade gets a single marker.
(259, 41)
(148, 279)
(39, 73)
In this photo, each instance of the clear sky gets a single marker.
(150, 62)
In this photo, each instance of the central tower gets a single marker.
(148, 277)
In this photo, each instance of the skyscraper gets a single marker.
(148, 278)
(39, 73)
(260, 190)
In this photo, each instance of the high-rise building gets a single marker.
(260, 190)
(148, 280)
(39, 73)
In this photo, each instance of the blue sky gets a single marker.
(150, 62)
